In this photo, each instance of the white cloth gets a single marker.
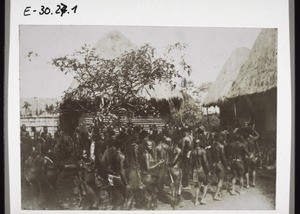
(92, 150)
(111, 179)
(188, 155)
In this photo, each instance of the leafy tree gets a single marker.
(110, 87)
(191, 112)
(49, 109)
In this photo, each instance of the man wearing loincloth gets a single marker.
(200, 169)
(150, 174)
(86, 175)
(174, 164)
(253, 161)
(238, 154)
(219, 163)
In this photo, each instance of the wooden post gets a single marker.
(234, 108)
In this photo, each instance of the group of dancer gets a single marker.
(138, 166)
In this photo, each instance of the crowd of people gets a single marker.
(137, 165)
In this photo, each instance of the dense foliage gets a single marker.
(112, 87)
(191, 112)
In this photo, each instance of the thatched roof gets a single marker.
(259, 73)
(112, 45)
(219, 90)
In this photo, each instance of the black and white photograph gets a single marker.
(116, 117)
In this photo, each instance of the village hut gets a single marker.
(247, 92)
(217, 94)
(254, 92)
(161, 94)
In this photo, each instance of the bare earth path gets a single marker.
(262, 197)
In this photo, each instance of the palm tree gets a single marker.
(26, 106)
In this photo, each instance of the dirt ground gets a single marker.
(261, 197)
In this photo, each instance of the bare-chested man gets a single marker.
(219, 163)
(187, 147)
(133, 172)
(106, 165)
(238, 153)
(50, 172)
(57, 134)
(32, 175)
(161, 153)
(86, 176)
(47, 137)
(117, 177)
(174, 169)
(150, 174)
(252, 162)
(25, 143)
(154, 135)
(200, 169)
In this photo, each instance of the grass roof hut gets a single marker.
(217, 94)
(254, 92)
(162, 96)
(259, 73)
(246, 88)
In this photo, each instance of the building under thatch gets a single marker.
(259, 73)
(254, 91)
(218, 92)
(161, 95)
(253, 94)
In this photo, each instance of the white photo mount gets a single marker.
(213, 14)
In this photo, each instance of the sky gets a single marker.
(207, 50)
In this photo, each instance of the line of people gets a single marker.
(137, 167)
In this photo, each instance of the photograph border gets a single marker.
(274, 20)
